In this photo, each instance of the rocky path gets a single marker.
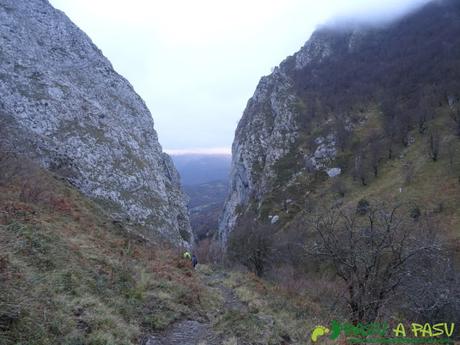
(231, 300)
(198, 332)
(188, 332)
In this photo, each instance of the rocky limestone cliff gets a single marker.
(264, 135)
(63, 104)
(269, 131)
(294, 126)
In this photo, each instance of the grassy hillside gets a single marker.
(70, 275)
(415, 179)
(411, 177)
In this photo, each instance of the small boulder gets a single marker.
(275, 219)
(333, 172)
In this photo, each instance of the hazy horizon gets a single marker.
(214, 151)
(196, 64)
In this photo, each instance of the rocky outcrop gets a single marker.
(269, 131)
(63, 104)
(266, 133)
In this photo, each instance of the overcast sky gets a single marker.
(197, 62)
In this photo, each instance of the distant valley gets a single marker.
(202, 168)
(205, 182)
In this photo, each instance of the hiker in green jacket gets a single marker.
(187, 255)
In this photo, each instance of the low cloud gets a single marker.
(374, 13)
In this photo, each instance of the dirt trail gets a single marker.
(194, 332)
(188, 332)
(231, 300)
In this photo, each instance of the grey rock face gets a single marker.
(325, 152)
(316, 49)
(265, 134)
(269, 131)
(66, 106)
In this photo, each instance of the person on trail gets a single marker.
(194, 260)
(187, 256)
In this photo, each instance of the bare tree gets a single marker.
(455, 116)
(433, 293)
(421, 117)
(403, 126)
(424, 110)
(339, 187)
(432, 289)
(360, 168)
(451, 153)
(369, 253)
(10, 167)
(390, 127)
(434, 144)
(375, 152)
(251, 244)
(408, 171)
(342, 134)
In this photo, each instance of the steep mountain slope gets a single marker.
(359, 112)
(63, 105)
(69, 274)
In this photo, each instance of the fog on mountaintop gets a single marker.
(197, 67)
(370, 15)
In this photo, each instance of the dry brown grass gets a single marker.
(64, 264)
